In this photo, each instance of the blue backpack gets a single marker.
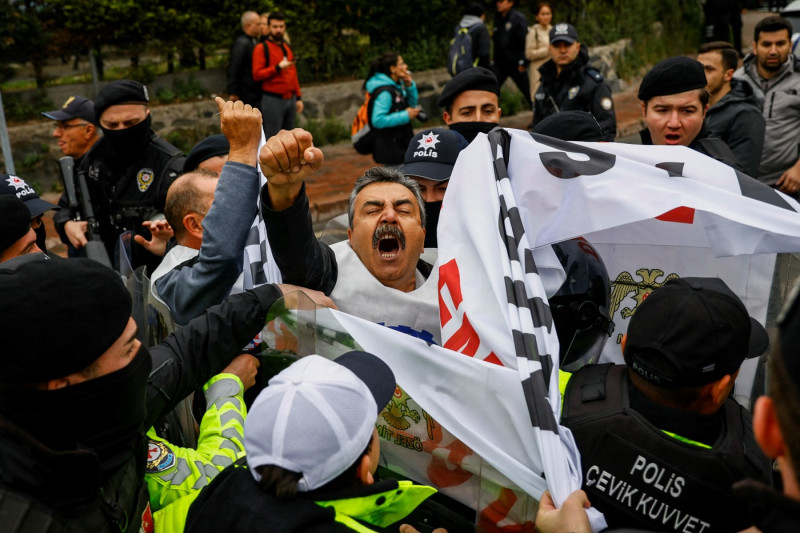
(460, 55)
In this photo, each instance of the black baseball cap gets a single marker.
(471, 79)
(74, 107)
(563, 32)
(672, 76)
(16, 186)
(691, 332)
(432, 154)
(119, 92)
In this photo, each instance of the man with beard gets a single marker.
(733, 114)
(373, 274)
(570, 83)
(471, 101)
(774, 75)
(274, 67)
(128, 172)
(73, 418)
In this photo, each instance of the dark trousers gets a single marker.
(520, 79)
(277, 114)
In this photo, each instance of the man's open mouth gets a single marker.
(672, 138)
(388, 239)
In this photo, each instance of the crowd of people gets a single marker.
(100, 432)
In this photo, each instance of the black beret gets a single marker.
(672, 76)
(472, 79)
(15, 221)
(206, 149)
(80, 307)
(117, 93)
(571, 126)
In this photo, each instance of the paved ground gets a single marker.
(329, 189)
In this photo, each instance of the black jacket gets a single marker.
(706, 144)
(301, 258)
(240, 71)
(771, 511)
(508, 37)
(122, 198)
(737, 120)
(66, 486)
(579, 87)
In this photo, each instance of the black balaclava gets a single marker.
(129, 143)
(470, 130)
(104, 415)
(432, 210)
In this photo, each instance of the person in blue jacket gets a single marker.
(395, 105)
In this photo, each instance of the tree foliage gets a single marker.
(331, 38)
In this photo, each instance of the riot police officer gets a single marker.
(129, 170)
(569, 83)
(661, 440)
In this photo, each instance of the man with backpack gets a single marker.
(273, 66)
(470, 45)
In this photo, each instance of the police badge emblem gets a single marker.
(606, 103)
(159, 457)
(144, 179)
(573, 92)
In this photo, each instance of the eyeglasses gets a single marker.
(62, 126)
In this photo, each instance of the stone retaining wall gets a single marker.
(35, 151)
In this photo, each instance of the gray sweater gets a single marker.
(189, 283)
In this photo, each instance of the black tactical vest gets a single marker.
(121, 507)
(638, 476)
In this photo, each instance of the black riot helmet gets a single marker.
(581, 306)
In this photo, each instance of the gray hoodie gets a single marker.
(779, 100)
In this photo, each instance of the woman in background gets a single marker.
(537, 43)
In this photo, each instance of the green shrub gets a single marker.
(188, 89)
(327, 131)
(165, 96)
(512, 102)
(25, 106)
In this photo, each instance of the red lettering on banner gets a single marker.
(465, 340)
(450, 276)
(682, 215)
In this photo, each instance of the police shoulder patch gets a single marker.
(144, 179)
(159, 457)
(594, 74)
(606, 103)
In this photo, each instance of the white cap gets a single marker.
(316, 417)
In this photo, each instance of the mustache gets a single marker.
(391, 230)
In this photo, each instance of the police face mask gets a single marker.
(129, 143)
(470, 130)
(104, 415)
(432, 210)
